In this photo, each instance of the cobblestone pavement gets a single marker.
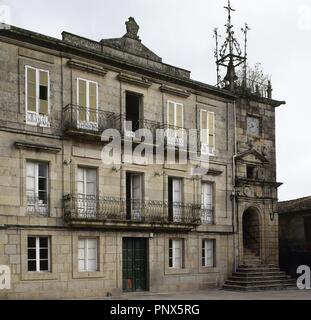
(217, 294)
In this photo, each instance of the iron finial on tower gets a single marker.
(230, 54)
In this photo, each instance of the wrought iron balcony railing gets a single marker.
(85, 208)
(129, 128)
(37, 205)
(84, 119)
(207, 215)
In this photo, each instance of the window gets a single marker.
(251, 172)
(134, 195)
(37, 187)
(175, 122)
(38, 254)
(207, 132)
(87, 255)
(37, 96)
(175, 199)
(87, 104)
(87, 185)
(208, 253)
(132, 111)
(176, 255)
(207, 203)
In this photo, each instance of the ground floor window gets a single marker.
(88, 254)
(208, 253)
(38, 254)
(176, 253)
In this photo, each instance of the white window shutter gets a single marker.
(211, 129)
(179, 116)
(207, 196)
(31, 184)
(82, 255)
(91, 182)
(204, 126)
(171, 114)
(177, 253)
(80, 181)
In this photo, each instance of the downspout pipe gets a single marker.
(234, 202)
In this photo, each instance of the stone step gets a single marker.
(251, 269)
(259, 287)
(259, 282)
(258, 278)
(259, 274)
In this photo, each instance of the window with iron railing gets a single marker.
(37, 188)
(207, 211)
(37, 100)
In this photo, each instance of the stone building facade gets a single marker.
(72, 225)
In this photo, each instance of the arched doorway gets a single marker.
(251, 233)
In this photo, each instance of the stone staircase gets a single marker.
(254, 276)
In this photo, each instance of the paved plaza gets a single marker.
(218, 294)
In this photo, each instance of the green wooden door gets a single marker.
(134, 264)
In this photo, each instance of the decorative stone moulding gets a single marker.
(138, 81)
(175, 91)
(75, 64)
(37, 147)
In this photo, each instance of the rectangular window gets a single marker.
(176, 253)
(207, 132)
(175, 122)
(133, 111)
(175, 199)
(87, 104)
(37, 187)
(208, 253)
(37, 96)
(38, 254)
(207, 203)
(134, 195)
(87, 255)
(86, 187)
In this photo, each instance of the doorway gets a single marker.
(135, 262)
(133, 110)
(251, 232)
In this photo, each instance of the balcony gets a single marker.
(37, 205)
(110, 212)
(130, 129)
(86, 122)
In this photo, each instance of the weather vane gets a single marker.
(230, 54)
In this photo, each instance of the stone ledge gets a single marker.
(139, 81)
(175, 91)
(37, 147)
(75, 64)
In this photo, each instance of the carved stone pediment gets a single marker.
(252, 156)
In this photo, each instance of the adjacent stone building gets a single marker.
(72, 225)
(295, 234)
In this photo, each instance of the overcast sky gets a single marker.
(180, 31)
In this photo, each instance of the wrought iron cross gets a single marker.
(229, 8)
